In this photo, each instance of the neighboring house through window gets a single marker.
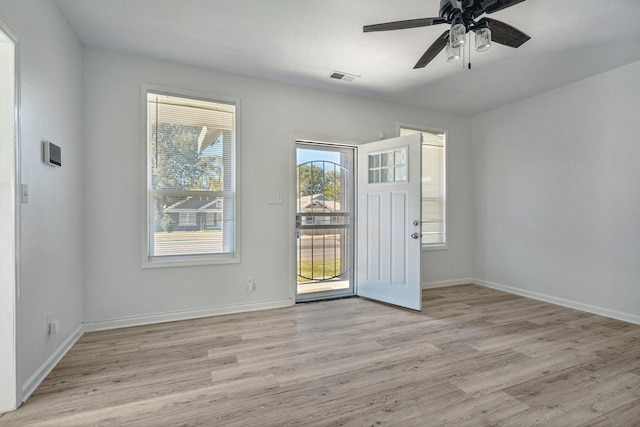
(190, 180)
(186, 218)
(434, 189)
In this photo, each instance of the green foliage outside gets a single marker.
(178, 165)
(314, 179)
(318, 269)
(167, 223)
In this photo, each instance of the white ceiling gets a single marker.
(303, 41)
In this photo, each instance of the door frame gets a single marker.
(293, 211)
(11, 392)
(293, 257)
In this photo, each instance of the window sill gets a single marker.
(189, 262)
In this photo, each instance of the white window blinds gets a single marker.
(190, 177)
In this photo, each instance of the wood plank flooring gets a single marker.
(473, 357)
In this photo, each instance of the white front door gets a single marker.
(388, 223)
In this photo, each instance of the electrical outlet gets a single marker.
(251, 284)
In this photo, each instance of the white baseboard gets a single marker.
(41, 373)
(626, 317)
(125, 322)
(443, 283)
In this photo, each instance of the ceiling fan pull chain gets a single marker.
(469, 45)
(467, 55)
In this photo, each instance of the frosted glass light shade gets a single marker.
(457, 35)
(483, 39)
(452, 53)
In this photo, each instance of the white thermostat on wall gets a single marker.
(52, 154)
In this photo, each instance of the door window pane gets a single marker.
(388, 166)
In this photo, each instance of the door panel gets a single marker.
(388, 260)
(372, 236)
(398, 238)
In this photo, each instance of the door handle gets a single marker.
(415, 236)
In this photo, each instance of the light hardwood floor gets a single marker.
(473, 357)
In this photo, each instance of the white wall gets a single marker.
(556, 193)
(50, 67)
(119, 292)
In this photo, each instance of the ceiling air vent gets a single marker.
(339, 75)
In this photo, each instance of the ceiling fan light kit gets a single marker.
(452, 53)
(457, 35)
(461, 15)
(483, 39)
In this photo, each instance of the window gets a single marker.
(190, 180)
(186, 218)
(388, 166)
(434, 190)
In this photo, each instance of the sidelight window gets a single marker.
(434, 190)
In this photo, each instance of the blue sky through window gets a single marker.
(305, 155)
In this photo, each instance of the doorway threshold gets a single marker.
(317, 298)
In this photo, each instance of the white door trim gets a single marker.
(10, 388)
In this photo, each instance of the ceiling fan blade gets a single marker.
(433, 50)
(491, 6)
(401, 25)
(504, 33)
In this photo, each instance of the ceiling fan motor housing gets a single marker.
(463, 11)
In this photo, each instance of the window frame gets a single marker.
(194, 259)
(429, 129)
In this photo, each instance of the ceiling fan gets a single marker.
(461, 15)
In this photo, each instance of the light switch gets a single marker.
(275, 199)
(25, 193)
